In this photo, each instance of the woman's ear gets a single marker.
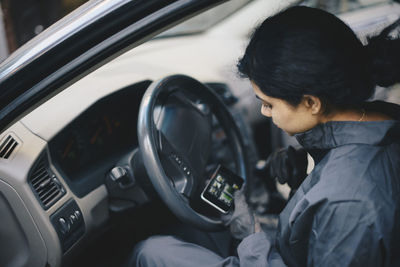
(312, 103)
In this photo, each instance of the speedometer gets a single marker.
(71, 150)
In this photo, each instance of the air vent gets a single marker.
(45, 184)
(7, 147)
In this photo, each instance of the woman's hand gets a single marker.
(241, 220)
(288, 165)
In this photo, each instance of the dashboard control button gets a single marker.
(77, 214)
(65, 226)
(68, 223)
(176, 158)
(72, 218)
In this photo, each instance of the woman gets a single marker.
(313, 77)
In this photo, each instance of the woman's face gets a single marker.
(287, 117)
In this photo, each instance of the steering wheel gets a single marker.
(174, 132)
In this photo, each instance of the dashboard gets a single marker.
(53, 197)
(86, 149)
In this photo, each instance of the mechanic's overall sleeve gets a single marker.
(344, 234)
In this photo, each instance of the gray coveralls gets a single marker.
(346, 212)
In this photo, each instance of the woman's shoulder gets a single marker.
(357, 172)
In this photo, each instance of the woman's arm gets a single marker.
(346, 234)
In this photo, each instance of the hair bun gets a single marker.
(384, 50)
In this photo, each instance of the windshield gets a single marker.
(342, 6)
(210, 18)
(207, 19)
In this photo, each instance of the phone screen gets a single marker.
(220, 189)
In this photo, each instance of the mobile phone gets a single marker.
(219, 191)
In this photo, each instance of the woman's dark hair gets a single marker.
(305, 50)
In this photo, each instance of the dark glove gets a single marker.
(288, 165)
(241, 220)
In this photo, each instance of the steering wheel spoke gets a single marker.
(176, 166)
(185, 198)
